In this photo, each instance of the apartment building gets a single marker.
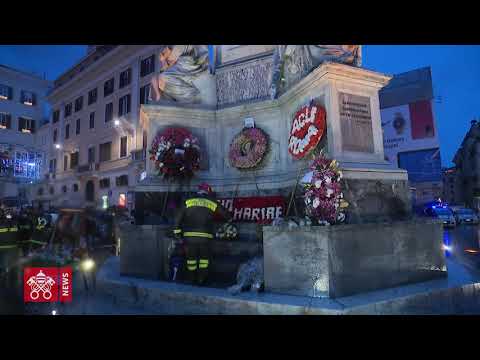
(467, 167)
(23, 110)
(96, 149)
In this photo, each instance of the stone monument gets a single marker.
(212, 91)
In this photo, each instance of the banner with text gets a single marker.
(255, 209)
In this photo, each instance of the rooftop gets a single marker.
(93, 54)
(31, 74)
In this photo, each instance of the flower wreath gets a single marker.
(323, 195)
(248, 148)
(176, 153)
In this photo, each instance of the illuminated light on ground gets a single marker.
(88, 265)
(472, 251)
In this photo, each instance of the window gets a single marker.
(91, 155)
(147, 66)
(108, 112)
(28, 98)
(125, 78)
(53, 166)
(40, 192)
(75, 187)
(79, 104)
(52, 190)
(77, 127)
(145, 94)
(6, 92)
(122, 180)
(68, 109)
(65, 162)
(26, 125)
(108, 87)
(5, 121)
(64, 188)
(122, 200)
(104, 183)
(124, 105)
(92, 120)
(73, 160)
(92, 96)
(55, 136)
(105, 151)
(67, 131)
(56, 116)
(123, 146)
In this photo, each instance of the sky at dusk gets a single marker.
(455, 72)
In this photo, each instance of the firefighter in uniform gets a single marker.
(195, 223)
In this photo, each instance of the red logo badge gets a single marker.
(308, 128)
(47, 284)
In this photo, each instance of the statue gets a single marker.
(293, 62)
(179, 66)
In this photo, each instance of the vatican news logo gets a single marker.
(47, 284)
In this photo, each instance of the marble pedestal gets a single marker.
(344, 260)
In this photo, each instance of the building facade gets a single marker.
(451, 186)
(23, 112)
(467, 167)
(96, 149)
(410, 134)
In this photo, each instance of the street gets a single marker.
(463, 246)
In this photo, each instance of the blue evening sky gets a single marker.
(455, 71)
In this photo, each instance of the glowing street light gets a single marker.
(58, 146)
(116, 122)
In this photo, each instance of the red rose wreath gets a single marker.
(176, 153)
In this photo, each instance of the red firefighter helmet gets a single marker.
(204, 187)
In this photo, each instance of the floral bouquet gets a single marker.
(323, 195)
(176, 153)
(227, 231)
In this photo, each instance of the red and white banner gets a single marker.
(255, 209)
(308, 128)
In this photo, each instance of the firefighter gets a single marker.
(195, 223)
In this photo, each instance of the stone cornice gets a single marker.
(335, 71)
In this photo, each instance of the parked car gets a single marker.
(443, 213)
(465, 216)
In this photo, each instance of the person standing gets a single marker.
(195, 223)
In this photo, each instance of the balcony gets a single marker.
(138, 155)
(88, 168)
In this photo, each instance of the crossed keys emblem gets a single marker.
(40, 283)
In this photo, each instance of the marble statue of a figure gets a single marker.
(293, 62)
(179, 66)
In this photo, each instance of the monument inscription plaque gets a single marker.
(356, 123)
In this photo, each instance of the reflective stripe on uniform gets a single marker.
(197, 234)
(192, 262)
(13, 229)
(203, 264)
(192, 267)
(3, 230)
(212, 205)
(8, 246)
(177, 231)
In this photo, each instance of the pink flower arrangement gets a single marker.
(323, 195)
(176, 153)
(248, 148)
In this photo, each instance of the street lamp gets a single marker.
(58, 146)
